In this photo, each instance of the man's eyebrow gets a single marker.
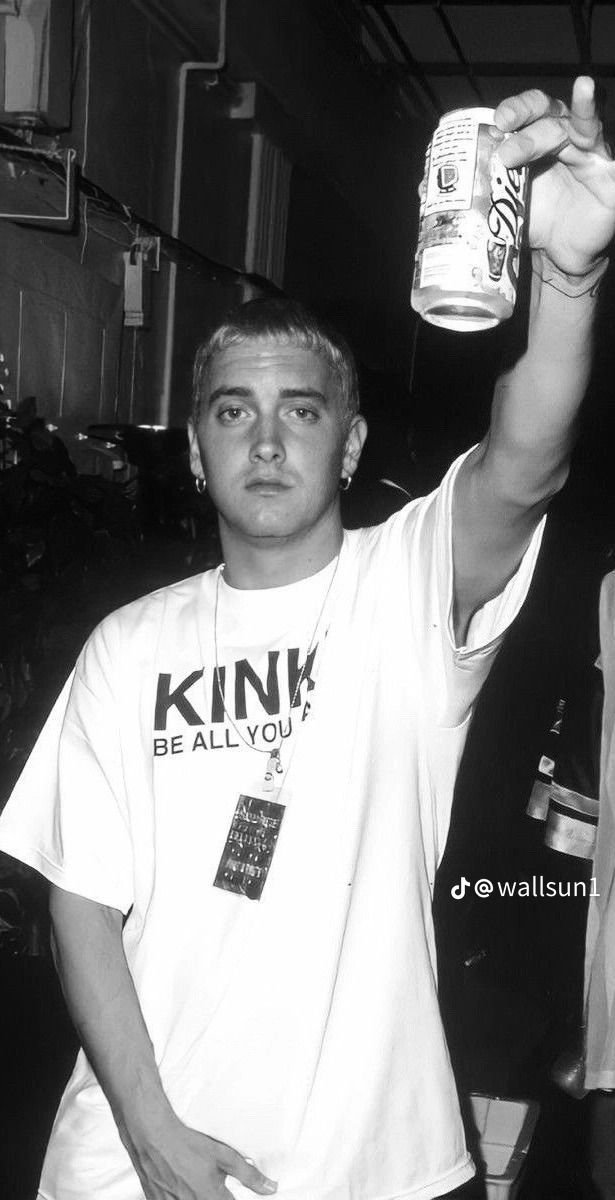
(303, 393)
(290, 393)
(241, 393)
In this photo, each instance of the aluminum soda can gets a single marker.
(470, 225)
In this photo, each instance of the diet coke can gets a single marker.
(470, 225)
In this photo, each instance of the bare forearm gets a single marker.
(504, 487)
(170, 1158)
(536, 404)
(105, 1010)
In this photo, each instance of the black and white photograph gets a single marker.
(307, 600)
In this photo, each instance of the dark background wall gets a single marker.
(349, 165)
(343, 160)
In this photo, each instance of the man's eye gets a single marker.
(305, 414)
(230, 415)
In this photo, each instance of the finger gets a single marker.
(529, 111)
(246, 1172)
(545, 138)
(517, 111)
(583, 103)
(585, 124)
(551, 139)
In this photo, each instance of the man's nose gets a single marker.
(267, 444)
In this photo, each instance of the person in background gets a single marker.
(243, 792)
(600, 942)
(574, 793)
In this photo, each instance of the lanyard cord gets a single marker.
(274, 762)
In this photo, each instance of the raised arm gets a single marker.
(173, 1162)
(504, 487)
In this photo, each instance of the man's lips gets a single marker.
(266, 485)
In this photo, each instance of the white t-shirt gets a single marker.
(301, 1028)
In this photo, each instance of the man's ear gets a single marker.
(196, 466)
(355, 440)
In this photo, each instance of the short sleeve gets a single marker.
(453, 675)
(68, 814)
(456, 673)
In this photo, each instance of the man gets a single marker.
(242, 796)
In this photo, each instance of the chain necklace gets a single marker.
(274, 761)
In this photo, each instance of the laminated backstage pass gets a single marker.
(250, 845)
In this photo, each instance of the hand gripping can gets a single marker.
(470, 225)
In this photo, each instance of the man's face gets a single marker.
(272, 439)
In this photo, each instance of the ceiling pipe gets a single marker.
(185, 70)
(391, 28)
(524, 70)
(454, 41)
(490, 3)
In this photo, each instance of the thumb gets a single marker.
(248, 1173)
(584, 119)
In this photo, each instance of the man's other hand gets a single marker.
(182, 1164)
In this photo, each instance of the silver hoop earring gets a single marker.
(200, 485)
(345, 483)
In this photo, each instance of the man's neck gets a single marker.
(274, 562)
